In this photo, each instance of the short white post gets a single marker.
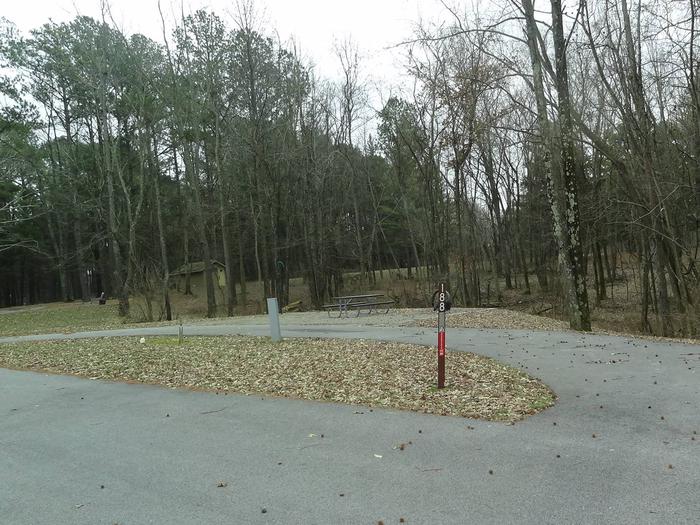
(274, 315)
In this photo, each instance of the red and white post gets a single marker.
(442, 317)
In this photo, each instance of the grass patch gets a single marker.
(59, 318)
(379, 374)
(52, 318)
(541, 403)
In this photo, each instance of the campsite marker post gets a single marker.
(442, 306)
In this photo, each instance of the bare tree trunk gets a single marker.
(563, 164)
(241, 264)
(256, 246)
(188, 264)
(80, 264)
(228, 259)
(570, 165)
(659, 262)
(644, 270)
(358, 232)
(598, 267)
(163, 250)
(201, 227)
(225, 235)
(117, 274)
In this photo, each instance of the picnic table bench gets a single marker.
(371, 302)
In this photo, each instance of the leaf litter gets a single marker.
(496, 318)
(358, 372)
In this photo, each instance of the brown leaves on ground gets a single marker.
(381, 374)
(498, 318)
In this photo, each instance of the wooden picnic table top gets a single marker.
(364, 296)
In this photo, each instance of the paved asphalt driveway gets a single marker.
(74, 451)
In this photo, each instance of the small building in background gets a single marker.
(197, 282)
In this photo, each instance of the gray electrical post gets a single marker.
(274, 315)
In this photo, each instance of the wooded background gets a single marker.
(546, 149)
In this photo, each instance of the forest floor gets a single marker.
(81, 317)
(618, 313)
(368, 373)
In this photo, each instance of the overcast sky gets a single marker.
(316, 25)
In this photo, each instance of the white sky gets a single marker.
(315, 25)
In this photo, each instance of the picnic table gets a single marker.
(370, 301)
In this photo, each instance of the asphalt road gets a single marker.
(617, 448)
